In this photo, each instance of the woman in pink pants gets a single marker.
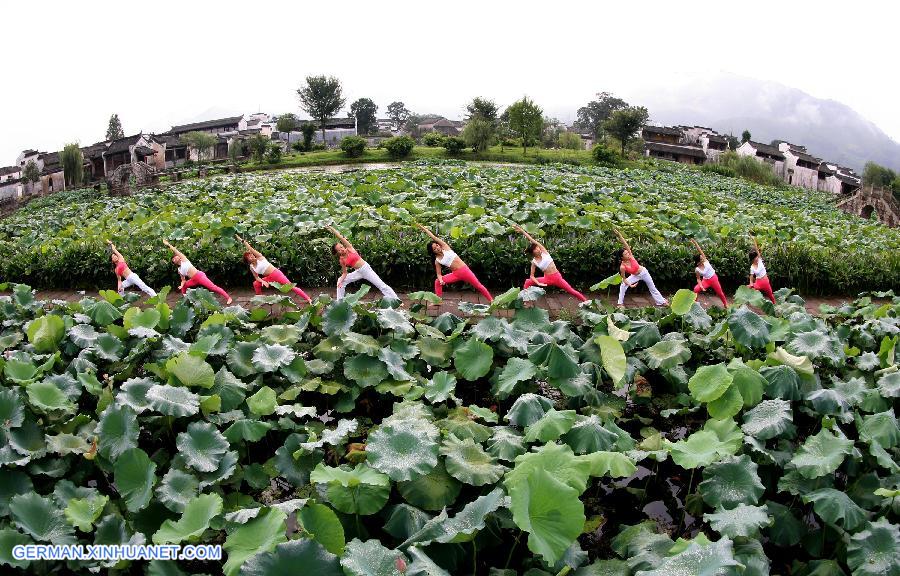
(759, 279)
(264, 273)
(459, 272)
(191, 277)
(706, 275)
(541, 259)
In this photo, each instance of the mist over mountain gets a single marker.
(730, 104)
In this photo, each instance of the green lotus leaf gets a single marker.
(261, 534)
(202, 446)
(559, 362)
(434, 352)
(246, 430)
(549, 511)
(404, 521)
(567, 468)
(730, 482)
(432, 491)
(360, 490)
(271, 357)
(137, 318)
(506, 443)
(263, 402)
(135, 476)
(836, 508)
(528, 409)
(463, 526)
(403, 449)
(441, 387)
(176, 489)
(19, 371)
(284, 334)
(469, 463)
(370, 558)
(702, 448)
(338, 318)
(40, 518)
(173, 400)
(682, 301)
(285, 559)
(875, 551)
(193, 523)
(821, 454)
(45, 333)
(817, 345)
(889, 385)
(9, 539)
(698, 558)
(322, 525)
(748, 328)
(108, 347)
(422, 565)
(46, 398)
(360, 343)
(553, 424)
(786, 530)
(710, 382)
(516, 370)
(240, 358)
(395, 365)
(84, 512)
(644, 547)
(613, 280)
(459, 423)
(613, 357)
(782, 382)
(365, 370)
(395, 321)
(768, 419)
(67, 444)
(667, 354)
(473, 359)
(726, 405)
(133, 394)
(191, 370)
(612, 464)
(750, 383)
(881, 428)
(118, 431)
(589, 435)
(83, 335)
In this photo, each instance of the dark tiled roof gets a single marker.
(676, 149)
(207, 125)
(767, 149)
(9, 170)
(333, 123)
(717, 138)
(122, 144)
(29, 152)
(847, 179)
(824, 169)
(662, 130)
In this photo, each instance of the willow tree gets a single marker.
(72, 162)
(199, 141)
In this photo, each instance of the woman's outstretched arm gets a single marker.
(431, 235)
(340, 237)
(528, 236)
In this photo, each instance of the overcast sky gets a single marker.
(68, 65)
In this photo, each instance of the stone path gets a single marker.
(558, 303)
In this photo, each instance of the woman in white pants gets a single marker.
(632, 273)
(350, 258)
(125, 276)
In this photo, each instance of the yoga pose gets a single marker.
(459, 272)
(632, 273)
(541, 259)
(125, 276)
(264, 273)
(349, 258)
(191, 277)
(706, 275)
(759, 280)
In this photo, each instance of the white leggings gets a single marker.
(634, 278)
(366, 273)
(135, 280)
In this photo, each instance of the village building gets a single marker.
(764, 153)
(662, 134)
(10, 182)
(800, 168)
(675, 152)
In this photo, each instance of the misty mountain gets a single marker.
(730, 104)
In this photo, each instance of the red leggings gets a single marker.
(462, 275)
(714, 284)
(278, 276)
(200, 279)
(763, 285)
(556, 279)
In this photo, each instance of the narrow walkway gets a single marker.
(558, 303)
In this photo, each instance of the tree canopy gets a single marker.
(526, 119)
(114, 129)
(482, 123)
(72, 162)
(590, 118)
(745, 136)
(484, 108)
(287, 122)
(625, 123)
(200, 141)
(398, 113)
(321, 97)
(364, 110)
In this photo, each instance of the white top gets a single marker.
(544, 262)
(261, 265)
(447, 259)
(706, 271)
(758, 270)
(184, 267)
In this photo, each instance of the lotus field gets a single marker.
(58, 242)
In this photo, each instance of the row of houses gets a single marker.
(792, 162)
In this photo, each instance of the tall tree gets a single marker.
(733, 142)
(482, 108)
(591, 117)
(745, 136)
(73, 164)
(625, 123)
(31, 175)
(114, 129)
(364, 110)
(481, 124)
(398, 113)
(287, 123)
(525, 121)
(258, 145)
(199, 141)
(321, 97)
(879, 176)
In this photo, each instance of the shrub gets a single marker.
(570, 141)
(454, 144)
(433, 139)
(273, 156)
(720, 169)
(750, 168)
(399, 146)
(603, 155)
(353, 146)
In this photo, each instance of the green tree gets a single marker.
(733, 142)
(236, 150)
(570, 141)
(525, 121)
(199, 141)
(590, 118)
(31, 175)
(73, 164)
(625, 123)
(309, 130)
(745, 136)
(364, 110)
(287, 123)
(321, 97)
(398, 113)
(481, 124)
(482, 108)
(114, 129)
(878, 176)
(259, 145)
(550, 132)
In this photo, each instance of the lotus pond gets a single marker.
(353, 438)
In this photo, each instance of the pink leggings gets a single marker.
(278, 276)
(714, 284)
(200, 279)
(556, 279)
(763, 285)
(462, 275)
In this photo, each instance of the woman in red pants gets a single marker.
(264, 273)
(541, 260)
(459, 272)
(759, 279)
(706, 275)
(191, 277)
